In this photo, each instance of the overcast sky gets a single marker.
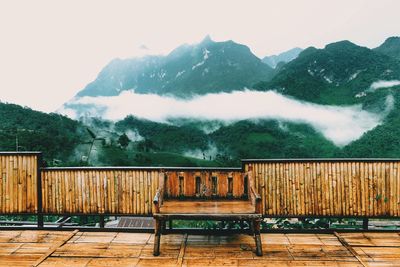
(49, 50)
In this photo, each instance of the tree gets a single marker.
(123, 140)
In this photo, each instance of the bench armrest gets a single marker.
(159, 196)
(158, 199)
(254, 196)
(255, 199)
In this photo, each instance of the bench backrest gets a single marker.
(205, 184)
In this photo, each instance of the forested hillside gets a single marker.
(56, 135)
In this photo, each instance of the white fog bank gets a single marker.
(384, 84)
(339, 124)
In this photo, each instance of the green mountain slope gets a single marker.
(271, 139)
(391, 47)
(383, 141)
(55, 135)
(333, 75)
(166, 137)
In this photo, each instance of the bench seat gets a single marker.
(207, 207)
(213, 210)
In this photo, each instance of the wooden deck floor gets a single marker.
(67, 248)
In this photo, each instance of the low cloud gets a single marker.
(209, 153)
(134, 135)
(340, 124)
(384, 84)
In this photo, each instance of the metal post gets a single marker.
(102, 221)
(365, 224)
(83, 220)
(40, 221)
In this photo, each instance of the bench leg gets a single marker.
(257, 237)
(157, 237)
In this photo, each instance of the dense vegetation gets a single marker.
(31, 130)
(381, 142)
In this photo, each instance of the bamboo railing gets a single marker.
(328, 187)
(288, 188)
(18, 182)
(117, 190)
(98, 190)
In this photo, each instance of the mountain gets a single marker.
(340, 73)
(343, 73)
(391, 47)
(284, 57)
(207, 67)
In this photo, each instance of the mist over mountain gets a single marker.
(284, 57)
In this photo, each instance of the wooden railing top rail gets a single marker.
(244, 161)
(21, 153)
(123, 168)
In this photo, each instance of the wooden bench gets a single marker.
(208, 196)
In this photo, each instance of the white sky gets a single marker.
(49, 50)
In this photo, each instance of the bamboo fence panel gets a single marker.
(126, 191)
(91, 191)
(360, 188)
(18, 183)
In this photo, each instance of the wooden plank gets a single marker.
(182, 250)
(351, 249)
(54, 248)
